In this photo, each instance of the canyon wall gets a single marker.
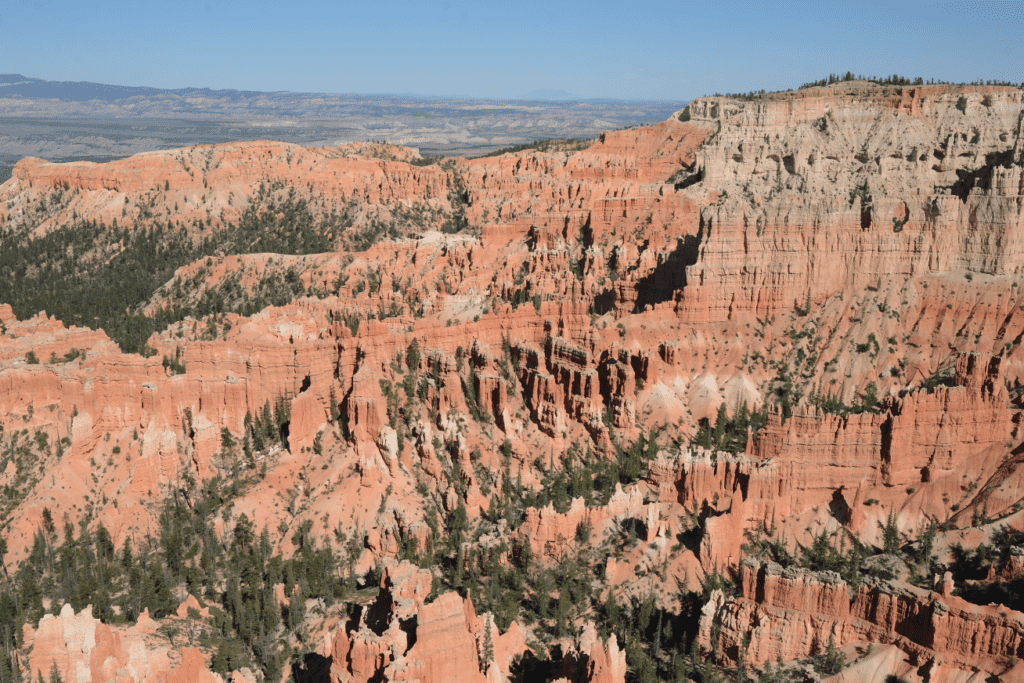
(844, 259)
(786, 614)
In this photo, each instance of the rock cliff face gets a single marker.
(215, 184)
(844, 262)
(83, 649)
(403, 637)
(829, 466)
(792, 613)
(812, 178)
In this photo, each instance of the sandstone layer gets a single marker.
(844, 259)
(792, 614)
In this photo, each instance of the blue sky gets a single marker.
(647, 50)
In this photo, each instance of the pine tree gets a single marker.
(127, 561)
(225, 657)
(721, 422)
(296, 609)
(470, 392)
(48, 525)
(458, 523)
(283, 413)
(412, 356)
(3, 554)
(142, 594)
(890, 534)
(854, 563)
(163, 600)
(335, 410)
(705, 435)
(488, 644)
(870, 398)
(710, 673)
(226, 439)
(612, 613)
(741, 660)
(460, 565)
(832, 661)
(656, 649)
(926, 542)
(267, 422)
(243, 534)
(101, 605)
(542, 587)
(737, 439)
(562, 611)
(104, 544)
(645, 669)
(821, 555)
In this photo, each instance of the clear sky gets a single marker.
(623, 49)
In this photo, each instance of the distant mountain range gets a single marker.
(72, 91)
(85, 91)
(78, 120)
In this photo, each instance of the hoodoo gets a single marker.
(736, 389)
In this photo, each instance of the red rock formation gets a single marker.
(192, 669)
(223, 179)
(811, 468)
(790, 614)
(603, 662)
(84, 649)
(191, 603)
(755, 259)
(551, 534)
(447, 636)
(807, 242)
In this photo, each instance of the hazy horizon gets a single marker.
(8, 86)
